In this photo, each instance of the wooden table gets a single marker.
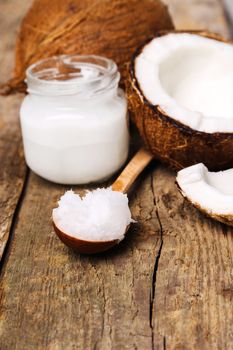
(169, 285)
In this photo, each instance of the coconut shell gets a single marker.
(225, 219)
(102, 27)
(171, 141)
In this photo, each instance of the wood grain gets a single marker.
(197, 14)
(193, 306)
(132, 170)
(167, 286)
(13, 169)
(66, 301)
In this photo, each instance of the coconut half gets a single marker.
(181, 96)
(211, 192)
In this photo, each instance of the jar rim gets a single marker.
(72, 74)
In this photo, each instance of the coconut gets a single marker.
(210, 192)
(108, 28)
(180, 93)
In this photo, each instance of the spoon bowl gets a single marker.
(83, 246)
(122, 184)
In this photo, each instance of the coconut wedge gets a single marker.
(180, 94)
(211, 192)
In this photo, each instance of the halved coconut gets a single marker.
(211, 192)
(181, 94)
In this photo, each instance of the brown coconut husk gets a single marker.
(102, 27)
(225, 219)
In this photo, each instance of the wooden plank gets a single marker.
(196, 14)
(11, 13)
(167, 286)
(13, 169)
(229, 12)
(65, 301)
(193, 305)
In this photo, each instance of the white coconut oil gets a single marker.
(101, 215)
(74, 119)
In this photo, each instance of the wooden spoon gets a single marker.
(122, 184)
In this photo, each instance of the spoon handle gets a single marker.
(124, 181)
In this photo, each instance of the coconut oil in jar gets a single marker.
(74, 119)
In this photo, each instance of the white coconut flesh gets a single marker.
(191, 78)
(211, 191)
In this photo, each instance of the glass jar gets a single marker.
(74, 119)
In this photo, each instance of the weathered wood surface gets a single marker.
(13, 169)
(169, 285)
(197, 14)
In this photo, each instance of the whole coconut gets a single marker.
(103, 27)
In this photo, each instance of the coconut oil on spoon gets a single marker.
(99, 220)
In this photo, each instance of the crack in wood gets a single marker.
(164, 343)
(156, 264)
